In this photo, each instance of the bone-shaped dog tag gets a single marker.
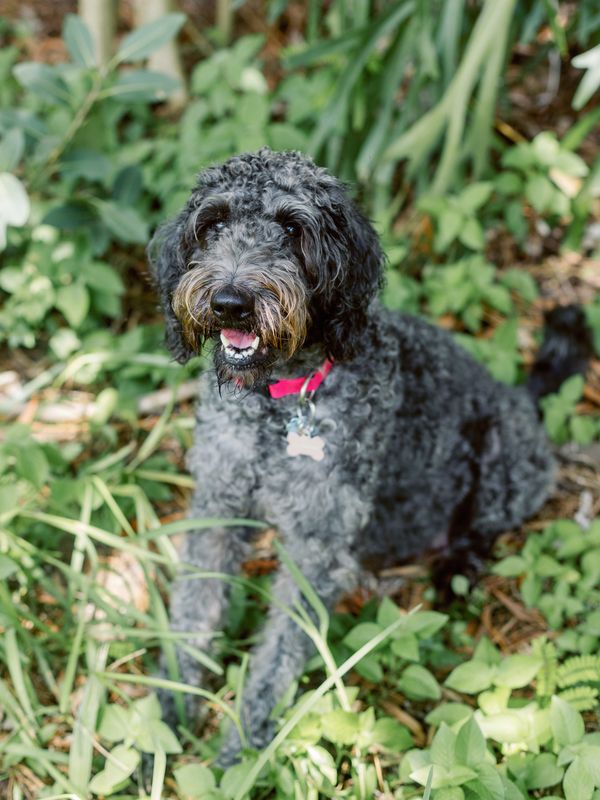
(301, 444)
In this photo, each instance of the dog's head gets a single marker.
(269, 254)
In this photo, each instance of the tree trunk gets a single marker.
(166, 59)
(100, 16)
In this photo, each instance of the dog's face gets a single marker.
(268, 255)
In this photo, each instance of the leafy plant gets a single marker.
(561, 418)
(560, 574)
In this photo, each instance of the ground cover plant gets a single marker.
(470, 133)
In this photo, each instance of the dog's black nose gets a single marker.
(232, 303)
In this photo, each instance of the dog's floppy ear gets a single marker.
(349, 265)
(167, 257)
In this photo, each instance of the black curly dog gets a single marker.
(400, 441)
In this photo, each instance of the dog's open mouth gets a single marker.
(239, 347)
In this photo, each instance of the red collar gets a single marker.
(294, 385)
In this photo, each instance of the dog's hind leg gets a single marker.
(198, 604)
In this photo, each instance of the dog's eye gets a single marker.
(217, 225)
(292, 229)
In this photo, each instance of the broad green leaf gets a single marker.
(567, 724)
(471, 234)
(43, 80)
(193, 780)
(142, 85)
(578, 783)
(391, 735)
(450, 713)
(471, 677)
(12, 148)
(448, 226)
(517, 671)
(418, 683)
(7, 565)
(115, 723)
(361, 634)
(473, 196)
(543, 772)
(443, 748)
(79, 41)
(120, 764)
(485, 651)
(510, 567)
(145, 40)
(339, 726)
(125, 224)
(31, 463)
(73, 301)
(539, 192)
(470, 746)
(583, 429)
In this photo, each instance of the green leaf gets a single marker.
(31, 463)
(449, 224)
(450, 713)
(583, 429)
(474, 196)
(73, 301)
(539, 192)
(142, 85)
(567, 724)
(88, 164)
(406, 647)
(517, 671)
(578, 783)
(79, 41)
(115, 723)
(361, 634)
(12, 148)
(120, 764)
(543, 772)
(144, 41)
(471, 677)
(572, 389)
(418, 683)
(125, 224)
(42, 80)
(471, 234)
(339, 726)
(391, 735)
(510, 567)
(193, 780)
(470, 745)
(443, 748)
(7, 566)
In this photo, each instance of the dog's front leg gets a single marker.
(198, 604)
(280, 658)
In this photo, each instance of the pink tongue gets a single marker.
(239, 339)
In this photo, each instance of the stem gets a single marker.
(76, 123)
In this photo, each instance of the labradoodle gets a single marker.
(361, 435)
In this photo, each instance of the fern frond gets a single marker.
(579, 669)
(546, 680)
(582, 698)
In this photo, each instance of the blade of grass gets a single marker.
(309, 703)
(82, 744)
(15, 670)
